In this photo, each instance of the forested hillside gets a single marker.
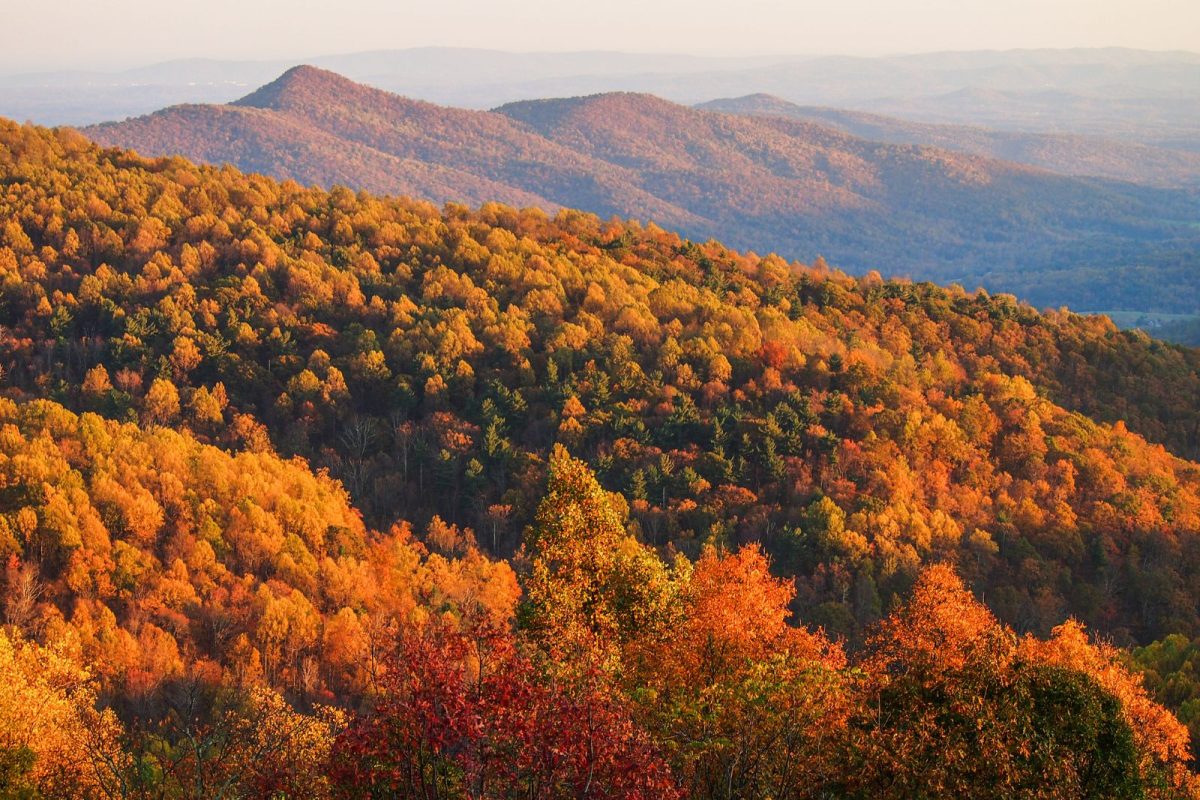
(317, 127)
(257, 139)
(765, 183)
(421, 501)
(429, 360)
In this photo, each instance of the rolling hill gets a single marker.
(767, 184)
(291, 147)
(309, 124)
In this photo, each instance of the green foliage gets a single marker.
(1171, 670)
(15, 765)
(1077, 729)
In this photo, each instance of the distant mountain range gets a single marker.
(470, 78)
(763, 182)
(1144, 96)
(1069, 154)
(318, 127)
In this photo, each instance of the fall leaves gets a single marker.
(618, 675)
(748, 585)
(159, 558)
(430, 360)
(53, 739)
(713, 694)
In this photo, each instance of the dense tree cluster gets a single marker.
(651, 680)
(263, 448)
(857, 428)
(159, 559)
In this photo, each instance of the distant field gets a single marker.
(1178, 328)
(1147, 320)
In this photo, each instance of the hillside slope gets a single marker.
(292, 148)
(165, 560)
(310, 122)
(765, 184)
(858, 428)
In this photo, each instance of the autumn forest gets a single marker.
(317, 493)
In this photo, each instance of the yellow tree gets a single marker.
(590, 586)
(53, 741)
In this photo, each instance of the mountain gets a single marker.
(313, 126)
(1135, 95)
(768, 184)
(802, 189)
(317, 493)
(1171, 121)
(1062, 153)
(471, 78)
(1142, 95)
(479, 142)
(292, 147)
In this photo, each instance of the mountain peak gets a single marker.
(749, 104)
(300, 81)
(761, 97)
(605, 109)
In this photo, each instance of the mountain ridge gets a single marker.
(797, 187)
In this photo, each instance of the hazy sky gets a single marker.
(48, 34)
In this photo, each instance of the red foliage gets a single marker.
(469, 715)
